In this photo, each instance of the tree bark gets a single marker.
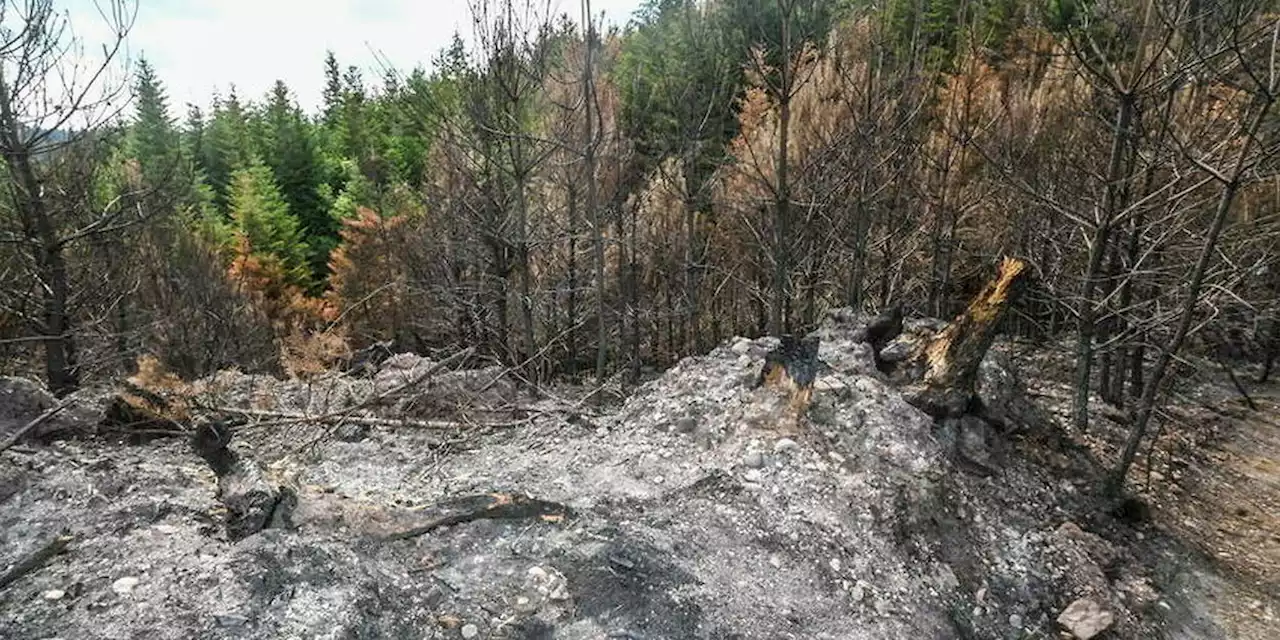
(950, 361)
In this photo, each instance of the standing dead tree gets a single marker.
(1252, 40)
(53, 96)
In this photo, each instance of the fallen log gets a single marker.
(36, 559)
(946, 367)
(41, 419)
(277, 419)
(493, 506)
(285, 418)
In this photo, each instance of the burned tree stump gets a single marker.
(365, 362)
(252, 502)
(881, 331)
(947, 366)
(791, 367)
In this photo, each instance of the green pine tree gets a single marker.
(156, 144)
(261, 216)
(226, 147)
(288, 145)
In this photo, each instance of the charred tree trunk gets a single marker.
(47, 247)
(1146, 407)
(948, 364)
(571, 305)
(1098, 244)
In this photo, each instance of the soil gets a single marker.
(698, 508)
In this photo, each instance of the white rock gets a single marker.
(1085, 619)
(470, 631)
(785, 444)
(53, 594)
(753, 475)
(124, 586)
(829, 383)
(741, 347)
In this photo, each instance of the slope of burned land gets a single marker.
(467, 507)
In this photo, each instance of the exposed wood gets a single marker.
(792, 367)
(493, 506)
(949, 362)
(36, 559)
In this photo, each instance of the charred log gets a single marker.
(493, 506)
(252, 502)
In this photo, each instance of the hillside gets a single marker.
(695, 509)
(742, 319)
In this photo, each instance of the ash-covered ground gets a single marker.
(696, 509)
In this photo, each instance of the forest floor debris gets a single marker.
(692, 511)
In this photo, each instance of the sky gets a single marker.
(199, 46)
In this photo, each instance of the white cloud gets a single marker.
(198, 46)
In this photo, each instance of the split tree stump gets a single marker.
(947, 365)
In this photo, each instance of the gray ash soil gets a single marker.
(697, 511)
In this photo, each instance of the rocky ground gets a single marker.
(699, 508)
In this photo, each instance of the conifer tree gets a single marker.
(289, 147)
(192, 133)
(262, 220)
(156, 144)
(333, 91)
(226, 147)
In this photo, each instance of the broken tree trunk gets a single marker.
(253, 503)
(948, 364)
(792, 367)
